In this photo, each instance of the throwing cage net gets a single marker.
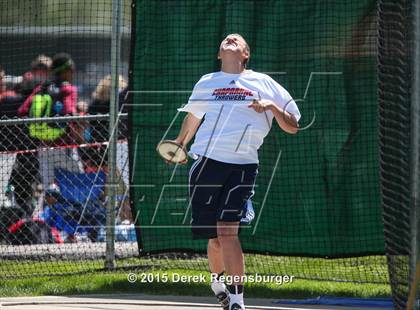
(317, 200)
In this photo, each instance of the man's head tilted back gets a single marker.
(234, 47)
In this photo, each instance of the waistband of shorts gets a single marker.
(252, 165)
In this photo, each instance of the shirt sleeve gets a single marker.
(196, 106)
(283, 99)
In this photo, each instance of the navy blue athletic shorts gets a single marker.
(219, 192)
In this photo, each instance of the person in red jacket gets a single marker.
(63, 69)
(54, 153)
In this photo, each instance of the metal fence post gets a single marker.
(113, 130)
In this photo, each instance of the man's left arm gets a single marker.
(281, 104)
(286, 120)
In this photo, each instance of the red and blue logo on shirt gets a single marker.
(231, 94)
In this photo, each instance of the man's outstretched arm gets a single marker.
(188, 129)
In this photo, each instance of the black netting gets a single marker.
(394, 72)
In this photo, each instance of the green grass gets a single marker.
(104, 283)
(369, 269)
(90, 278)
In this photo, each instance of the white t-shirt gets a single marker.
(231, 131)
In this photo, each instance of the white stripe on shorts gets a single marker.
(194, 165)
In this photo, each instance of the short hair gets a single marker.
(62, 62)
(247, 48)
(103, 90)
(42, 62)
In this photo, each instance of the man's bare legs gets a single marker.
(231, 250)
(225, 251)
(215, 257)
(230, 253)
(225, 255)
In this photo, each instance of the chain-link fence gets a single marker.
(53, 194)
(60, 59)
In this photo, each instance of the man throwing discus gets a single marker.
(229, 112)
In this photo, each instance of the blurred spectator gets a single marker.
(82, 107)
(59, 214)
(25, 171)
(23, 166)
(40, 69)
(96, 157)
(9, 99)
(81, 129)
(102, 95)
(62, 92)
(3, 90)
(12, 82)
(54, 98)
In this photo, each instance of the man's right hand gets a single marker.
(187, 132)
(178, 141)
